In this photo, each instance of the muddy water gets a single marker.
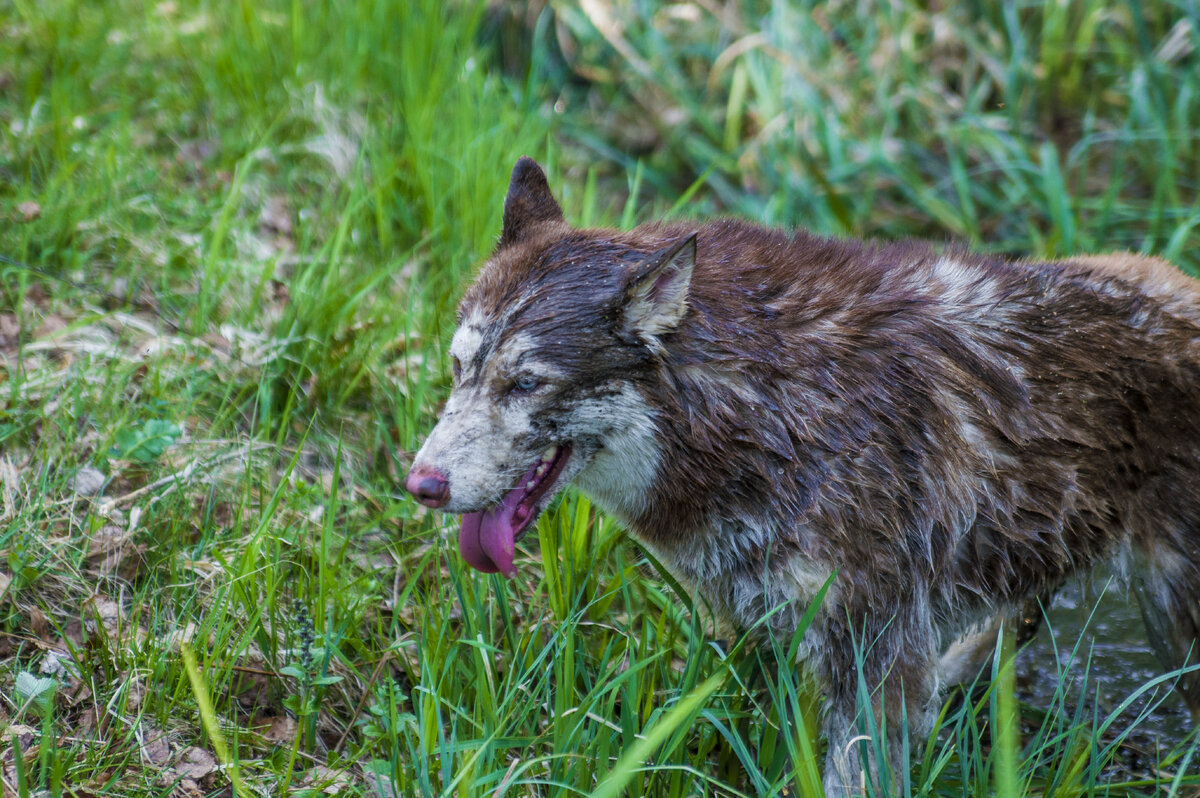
(1105, 617)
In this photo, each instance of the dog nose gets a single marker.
(428, 486)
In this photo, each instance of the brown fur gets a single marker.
(949, 432)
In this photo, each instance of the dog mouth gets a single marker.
(489, 537)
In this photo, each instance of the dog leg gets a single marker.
(898, 658)
(968, 655)
(1168, 592)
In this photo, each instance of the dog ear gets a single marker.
(528, 201)
(656, 296)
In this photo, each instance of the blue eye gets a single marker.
(526, 384)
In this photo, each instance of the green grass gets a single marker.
(233, 236)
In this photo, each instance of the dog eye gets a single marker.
(525, 384)
(457, 367)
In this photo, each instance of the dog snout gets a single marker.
(428, 486)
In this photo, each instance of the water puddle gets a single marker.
(1104, 620)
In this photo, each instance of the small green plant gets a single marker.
(308, 673)
(36, 692)
(25, 558)
(36, 695)
(145, 443)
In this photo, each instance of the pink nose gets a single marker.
(428, 486)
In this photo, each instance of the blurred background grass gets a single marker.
(232, 237)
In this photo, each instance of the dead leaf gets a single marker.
(10, 331)
(29, 210)
(92, 722)
(131, 561)
(23, 733)
(39, 624)
(10, 487)
(51, 325)
(72, 631)
(186, 788)
(59, 665)
(107, 610)
(280, 293)
(382, 785)
(37, 295)
(89, 480)
(16, 737)
(134, 695)
(77, 692)
(195, 763)
(277, 729)
(105, 548)
(253, 690)
(97, 786)
(327, 780)
(154, 745)
(275, 216)
(218, 342)
(178, 636)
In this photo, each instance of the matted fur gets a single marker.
(949, 432)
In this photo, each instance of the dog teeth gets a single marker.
(530, 484)
(540, 470)
(548, 455)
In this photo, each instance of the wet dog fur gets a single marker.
(949, 433)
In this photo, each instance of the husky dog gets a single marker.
(946, 433)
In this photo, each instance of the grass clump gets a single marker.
(232, 237)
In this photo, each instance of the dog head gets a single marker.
(553, 339)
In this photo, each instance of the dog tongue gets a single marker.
(487, 538)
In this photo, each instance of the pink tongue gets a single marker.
(487, 538)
